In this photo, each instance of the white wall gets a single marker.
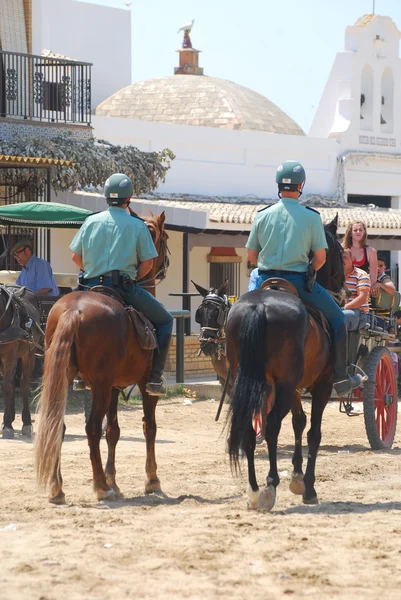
(89, 33)
(223, 162)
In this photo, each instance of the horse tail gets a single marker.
(250, 390)
(53, 399)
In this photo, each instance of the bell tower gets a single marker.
(358, 103)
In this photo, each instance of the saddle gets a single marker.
(143, 327)
(282, 285)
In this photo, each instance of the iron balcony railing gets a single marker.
(43, 88)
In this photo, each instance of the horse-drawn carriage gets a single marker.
(370, 350)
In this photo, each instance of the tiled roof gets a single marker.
(364, 20)
(198, 100)
(236, 211)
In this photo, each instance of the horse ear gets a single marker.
(222, 291)
(161, 218)
(203, 291)
(332, 226)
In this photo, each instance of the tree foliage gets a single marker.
(95, 160)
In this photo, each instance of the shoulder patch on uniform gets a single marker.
(313, 210)
(264, 208)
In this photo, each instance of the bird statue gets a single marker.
(187, 27)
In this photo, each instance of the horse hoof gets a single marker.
(312, 501)
(252, 499)
(297, 485)
(27, 430)
(109, 495)
(152, 486)
(58, 500)
(8, 433)
(267, 498)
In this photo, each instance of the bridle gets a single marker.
(208, 334)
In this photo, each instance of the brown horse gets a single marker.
(91, 334)
(17, 342)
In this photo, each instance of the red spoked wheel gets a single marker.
(380, 399)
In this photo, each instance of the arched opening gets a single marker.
(366, 99)
(387, 102)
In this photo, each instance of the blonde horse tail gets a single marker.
(53, 399)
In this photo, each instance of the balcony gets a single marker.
(44, 89)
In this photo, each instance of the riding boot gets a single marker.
(156, 385)
(343, 383)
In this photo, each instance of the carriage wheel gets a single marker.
(380, 399)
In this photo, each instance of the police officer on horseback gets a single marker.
(115, 249)
(281, 240)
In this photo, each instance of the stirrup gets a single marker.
(157, 388)
(345, 386)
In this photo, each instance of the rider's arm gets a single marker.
(387, 285)
(77, 259)
(43, 291)
(144, 268)
(372, 259)
(361, 298)
(319, 258)
(253, 256)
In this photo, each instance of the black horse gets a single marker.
(20, 337)
(272, 358)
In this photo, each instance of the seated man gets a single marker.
(383, 281)
(36, 274)
(357, 283)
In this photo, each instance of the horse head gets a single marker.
(155, 225)
(212, 317)
(331, 275)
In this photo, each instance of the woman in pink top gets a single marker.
(363, 256)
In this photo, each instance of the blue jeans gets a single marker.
(142, 301)
(319, 297)
(355, 319)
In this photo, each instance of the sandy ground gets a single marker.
(199, 541)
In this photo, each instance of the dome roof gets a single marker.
(198, 100)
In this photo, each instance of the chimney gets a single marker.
(189, 58)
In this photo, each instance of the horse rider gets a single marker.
(282, 237)
(115, 249)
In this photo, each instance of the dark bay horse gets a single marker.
(273, 348)
(16, 343)
(91, 334)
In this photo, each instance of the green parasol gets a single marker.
(43, 214)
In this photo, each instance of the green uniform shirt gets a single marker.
(113, 240)
(284, 234)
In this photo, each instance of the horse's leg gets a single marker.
(8, 388)
(112, 437)
(28, 361)
(284, 394)
(149, 429)
(321, 392)
(298, 423)
(101, 398)
(248, 446)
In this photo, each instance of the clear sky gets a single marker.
(283, 49)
